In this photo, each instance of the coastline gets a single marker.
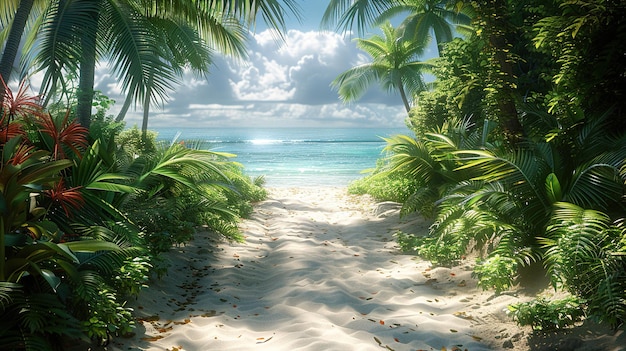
(320, 270)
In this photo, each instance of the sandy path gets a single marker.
(319, 271)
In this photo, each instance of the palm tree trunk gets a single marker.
(13, 41)
(405, 100)
(146, 112)
(146, 109)
(125, 107)
(87, 72)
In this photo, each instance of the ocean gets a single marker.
(299, 157)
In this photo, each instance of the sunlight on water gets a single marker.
(265, 141)
(295, 157)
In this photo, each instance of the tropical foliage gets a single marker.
(75, 238)
(394, 65)
(519, 152)
(146, 45)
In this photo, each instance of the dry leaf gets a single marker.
(152, 338)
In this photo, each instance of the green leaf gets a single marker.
(553, 188)
(51, 278)
(90, 246)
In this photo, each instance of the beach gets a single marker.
(320, 270)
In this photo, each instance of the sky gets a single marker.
(281, 85)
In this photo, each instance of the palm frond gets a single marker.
(522, 171)
(7, 292)
(596, 185)
(346, 14)
(57, 49)
(135, 53)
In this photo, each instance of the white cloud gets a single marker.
(282, 84)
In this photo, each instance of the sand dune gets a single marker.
(319, 271)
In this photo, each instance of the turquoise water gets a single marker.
(295, 157)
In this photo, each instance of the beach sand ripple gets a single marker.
(319, 271)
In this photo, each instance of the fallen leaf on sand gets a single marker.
(152, 338)
(261, 341)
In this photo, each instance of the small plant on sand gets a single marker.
(544, 314)
(444, 251)
(496, 272)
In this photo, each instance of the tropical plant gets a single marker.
(427, 160)
(458, 91)
(394, 64)
(46, 259)
(582, 39)
(132, 45)
(496, 272)
(185, 47)
(585, 255)
(429, 16)
(422, 16)
(344, 13)
(544, 314)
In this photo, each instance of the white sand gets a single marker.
(319, 271)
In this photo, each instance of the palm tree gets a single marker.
(344, 13)
(183, 48)
(395, 66)
(120, 30)
(426, 16)
(21, 10)
(423, 16)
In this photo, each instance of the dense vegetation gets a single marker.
(86, 207)
(85, 214)
(519, 152)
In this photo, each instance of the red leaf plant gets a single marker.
(63, 134)
(21, 153)
(67, 199)
(21, 104)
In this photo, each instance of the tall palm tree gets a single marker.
(14, 15)
(182, 48)
(395, 65)
(120, 31)
(423, 16)
(426, 16)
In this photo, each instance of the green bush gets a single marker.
(383, 185)
(444, 251)
(133, 275)
(544, 314)
(106, 316)
(496, 272)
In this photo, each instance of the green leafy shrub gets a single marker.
(384, 186)
(408, 242)
(134, 144)
(133, 275)
(496, 272)
(107, 317)
(585, 255)
(445, 251)
(544, 314)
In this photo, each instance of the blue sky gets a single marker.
(281, 85)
